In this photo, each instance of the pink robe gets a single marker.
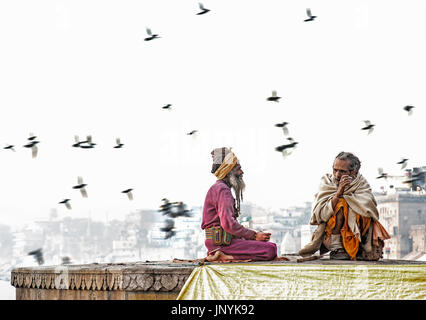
(219, 210)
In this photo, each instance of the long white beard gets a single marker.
(238, 185)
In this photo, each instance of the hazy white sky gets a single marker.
(81, 67)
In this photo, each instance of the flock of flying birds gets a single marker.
(178, 209)
(84, 144)
(39, 257)
(170, 209)
(403, 162)
(152, 36)
(287, 149)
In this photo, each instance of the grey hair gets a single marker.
(354, 163)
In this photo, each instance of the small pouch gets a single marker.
(221, 237)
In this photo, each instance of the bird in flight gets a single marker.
(409, 109)
(174, 209)
(170, 234)
(193, 132)
(129, 193)
(169, 225)
(38, 255)
(66, 260)
(181, 210)
(77, 142)
(274, 97)
(287, 149)
(381, 174)
(66, 203)
(368, 126)
(10, 147)
(169, 228)
(284, 126)
(403, 163)
(33, 146)
(151, 36)
(32, 137)
(165, 207)
(81, 186)
(167, 107)
(88, 144)
(203, 10)
(118, 144)
(311, 17)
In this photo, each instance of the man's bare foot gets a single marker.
(213, 257)
(219, 256)
(281, 259)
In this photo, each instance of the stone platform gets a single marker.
(160, 280)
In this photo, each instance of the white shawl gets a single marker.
(358, 195)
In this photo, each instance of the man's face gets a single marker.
(237, 170)
(341, 168)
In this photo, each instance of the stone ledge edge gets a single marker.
(61, 277)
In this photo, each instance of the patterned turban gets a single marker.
(223, 162)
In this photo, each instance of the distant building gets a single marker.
(278, 223)
(18, 249)
(124, 251)
(412, 180)
(306, 232)
(398, 212)
(417, 234)
(247, 222)
(288, 244)
(418, 238)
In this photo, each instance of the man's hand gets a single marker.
(345, 180)
(262, 236)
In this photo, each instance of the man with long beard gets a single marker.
(345, 211)
(226, 239)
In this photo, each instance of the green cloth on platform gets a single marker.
(239, 281)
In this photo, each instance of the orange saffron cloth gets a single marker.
(349, 240)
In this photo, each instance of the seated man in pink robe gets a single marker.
(226, 239)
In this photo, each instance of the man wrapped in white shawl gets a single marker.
(343, 204)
